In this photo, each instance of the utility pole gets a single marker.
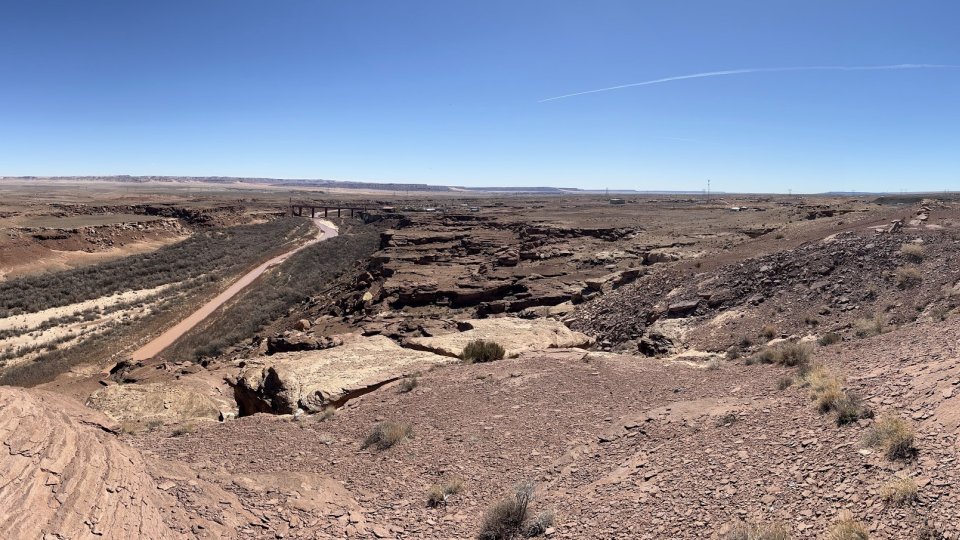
(708, 190)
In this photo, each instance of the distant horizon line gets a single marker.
(542, 190)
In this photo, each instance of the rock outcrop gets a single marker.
(515, 335)
(163, 402)
(314, 380)
(64, 474)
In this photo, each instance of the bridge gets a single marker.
(355, 210)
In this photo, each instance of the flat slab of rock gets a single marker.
(515, 335)
(313, 380)
(163, 402)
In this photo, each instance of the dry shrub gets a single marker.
(829, 339)
(873, 326)
(407, 385)
(387, 434)
(786, 354)
(505, 519)
(847, 528)
(893, 436)
(909, 277)
(727, 419)
(784, 382)
(827, 392)
(480, 350)
(768, 331)
(508, 518)
(851, 408)
(899, 490)
(755, 531)
(328, 413)
(539, 525)
(439, 494)
(185, 429)
(912, 252)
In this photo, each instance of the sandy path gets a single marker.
(326, 230)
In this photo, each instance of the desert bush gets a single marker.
(539, 525)
(506, 518)
(387, 434)
(439, 494)
(912, 252)
(184, 429)
(480, 350)
(829, 339)
(847, 528)
(899, 490)
(851, 408)
(828, 394)
(893, 436)
(908, 277)
(872, 326)
(328, 413)
(756, 531)
(768, 332)
(784, 382)
(787, 354)
(727, 419)
(408, 384)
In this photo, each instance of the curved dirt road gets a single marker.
(164, 340)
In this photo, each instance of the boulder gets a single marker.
(298, 341)
(314, 380)
(682, 309)
(515, 335)
(302, 325)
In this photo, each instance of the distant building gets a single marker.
(617, 201)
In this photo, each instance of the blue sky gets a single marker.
(451, 92)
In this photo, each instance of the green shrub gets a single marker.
(480, 350)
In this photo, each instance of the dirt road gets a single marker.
(325, 230)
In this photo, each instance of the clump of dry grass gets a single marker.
(184, 429)
(786, 354)
(899, 490)
(868, 327)
(408, 384)
(912, 252)
(829, 339)
(829, 395)
(480, 350)
(847, 528)
(755, 531)
(727, 419)
(387, 434)
(439, 494)
(328, 413)
(892, 435)
(908, 277)
(768, 331)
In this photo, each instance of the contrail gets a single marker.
(757, 70)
